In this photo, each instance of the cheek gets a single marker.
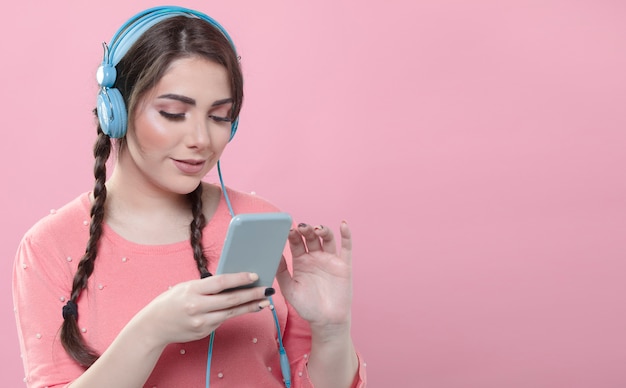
(223, 139)
(151, 133)
(220, 142)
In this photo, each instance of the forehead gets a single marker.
(197, 78)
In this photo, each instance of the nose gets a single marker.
(199, 135)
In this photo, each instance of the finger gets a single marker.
(328, 239)
(296, 243)
(346, 242)
(282, 267)
(234, 298)
(312, 241)
(218, 283)
(251, 307)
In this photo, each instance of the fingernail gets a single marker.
(301, 225)
(319, 227)
(253, 276)
(270, 291)
(264, 304)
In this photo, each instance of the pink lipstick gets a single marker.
(189, 166)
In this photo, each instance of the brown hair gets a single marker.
(138, 72)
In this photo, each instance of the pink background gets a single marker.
(477, 148)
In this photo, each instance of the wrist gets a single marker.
(144, 335)
(333, 361)
(330, 332)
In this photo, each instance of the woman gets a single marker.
(125, 270)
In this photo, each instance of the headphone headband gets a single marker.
(111, 109)
(130, 31)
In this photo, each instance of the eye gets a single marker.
(172, 116)
(221, 119)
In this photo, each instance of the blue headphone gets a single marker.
(110, 107)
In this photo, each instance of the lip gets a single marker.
(189, 166)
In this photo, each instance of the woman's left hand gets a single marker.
(320, 285)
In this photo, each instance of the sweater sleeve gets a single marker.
(40, 289)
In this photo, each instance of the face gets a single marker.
(180, 128)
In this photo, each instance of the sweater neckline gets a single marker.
(118, 240)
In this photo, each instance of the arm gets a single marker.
(128, 362)
(333, 361)
(184, 313)
(320, 290)
(188, 311)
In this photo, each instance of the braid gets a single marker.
(197, 224)
(71, 338)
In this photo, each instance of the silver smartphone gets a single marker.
(255, 243)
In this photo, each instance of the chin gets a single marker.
(185, 186)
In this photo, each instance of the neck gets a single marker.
(146, 214)
(139, 198)
(130, 190)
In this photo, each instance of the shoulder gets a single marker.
(69, 223)
(243, 202)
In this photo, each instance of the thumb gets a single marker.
(283, 276)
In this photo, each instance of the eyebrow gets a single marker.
(222, 102)
(191, 101)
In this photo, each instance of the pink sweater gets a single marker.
(128, 276)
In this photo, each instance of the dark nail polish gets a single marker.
(270, 291)
(301, 225)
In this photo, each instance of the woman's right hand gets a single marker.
(192, 310)
(186, 312)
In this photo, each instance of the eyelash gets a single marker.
(181, 116)
(172, 116)
(221, 119)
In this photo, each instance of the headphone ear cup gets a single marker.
(112, 112)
